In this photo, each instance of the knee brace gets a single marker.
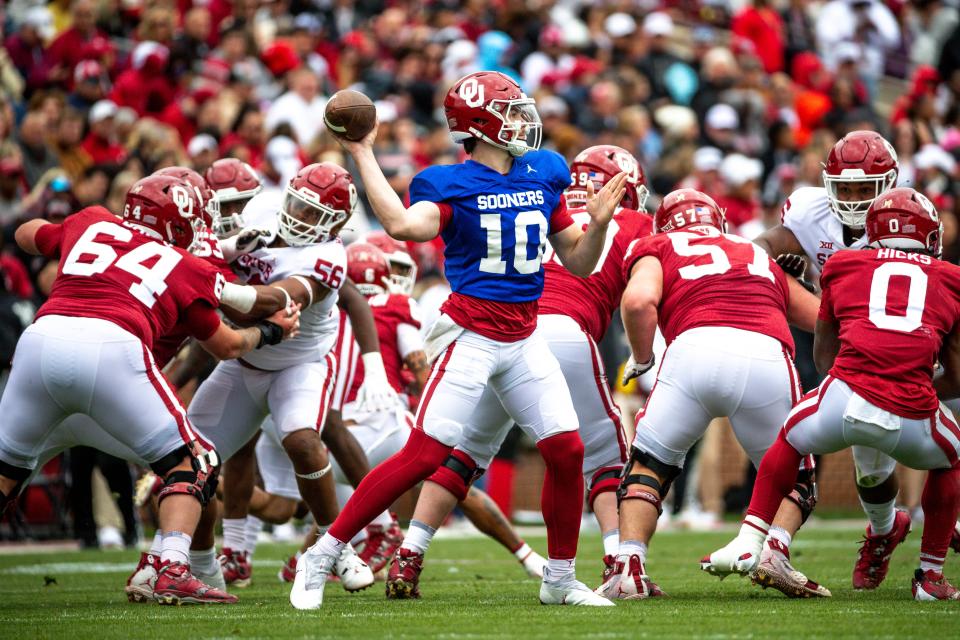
(805, 493)
(603, 481)
(456, 474)
(200, 482)
(632, 485)
(19, 475)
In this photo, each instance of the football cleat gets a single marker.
(629, 581)
(571, 592)
(236, 568)
(214, 579)
(774, 570)
(380, 545)
(288, 571)
(609, 568)
(147, 486)
(955, 538)
(403, 579)
(176, 585)
(875, 552)
(141, 582)
(313, 569)
(533, 563)
(929, 586)
(740, 556)
(354, 574)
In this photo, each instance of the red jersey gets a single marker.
(390, 311)
(168, 345)
(716, 280)
(115, 273)
(894, 309)
(591, 301)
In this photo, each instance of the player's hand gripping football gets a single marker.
(364, 143)
(602, 204)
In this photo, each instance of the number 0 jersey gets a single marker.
(716, 280)
(894, 309)
(591, 301)
(495, 229)
(115, 273)
(324, 262)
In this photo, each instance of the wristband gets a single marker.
(270, 333)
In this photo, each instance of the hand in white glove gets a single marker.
(633, 370)
(375, 394)
(247, 241)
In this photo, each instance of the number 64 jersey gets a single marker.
(894, 309)
(325, 262)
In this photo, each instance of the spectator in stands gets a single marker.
(37, 155)
(68, 49)
(101, 143)
(26, 46)
(760, 25)
(301, 106)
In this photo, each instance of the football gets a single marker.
(350, 114)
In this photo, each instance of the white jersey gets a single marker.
(324, 262)
(807, 214)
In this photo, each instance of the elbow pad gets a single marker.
(239, 297)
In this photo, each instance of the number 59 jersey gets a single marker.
(716, 280)
(894, 310)
(324, 262)
(115, 273)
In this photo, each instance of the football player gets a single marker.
(104, 313)
(723, 307)
(816, 222)
(888, 314)
(494, 212)
(234, 183)
(573, 317)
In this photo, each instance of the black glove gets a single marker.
(792, 264)
(249, 240)
(270, 333)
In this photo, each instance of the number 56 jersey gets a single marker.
(115, 273)
(894, 309)
(324, 262)
(716, 280)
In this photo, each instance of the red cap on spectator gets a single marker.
(216, 70)
(203, 92)
(97, 47)
(280, 57)
(87, 70)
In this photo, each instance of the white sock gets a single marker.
(204, 562)
(251, 531)
(175, 547)
(523, 551)
(753, 532)
(384, 520)
(418, 537)
(611, 542)
(628, 548)
(931, 563)
(881, 516)
(157, 543)
(780, 534)
(560, 570)
(328, 545)
(234, 533)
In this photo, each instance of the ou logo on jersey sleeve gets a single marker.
(472, 92)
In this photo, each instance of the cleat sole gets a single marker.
(401, 590)
(765, 580)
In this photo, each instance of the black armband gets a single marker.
(270, 333)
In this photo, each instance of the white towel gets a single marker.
(860, 410)
(441, 335)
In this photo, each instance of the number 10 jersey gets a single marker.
(894, 310)
(716, 280)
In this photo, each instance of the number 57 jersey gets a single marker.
(712, 279)
(894, 309)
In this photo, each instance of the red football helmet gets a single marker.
(166, 208)
(490, 106)
(232, 181)
(859, 157)
(210, 208)
(904, 219)
(318, 202)
(686, 208)
(599, 164)
(403, 269)
(367, 266)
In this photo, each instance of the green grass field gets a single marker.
(473, 589)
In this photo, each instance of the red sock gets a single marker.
(775, 479)
(388, 481)
(941, 503)
(562, 497)
(500, 476)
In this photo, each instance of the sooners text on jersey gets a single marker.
(894, 309)
(807, 214)
(716, 280)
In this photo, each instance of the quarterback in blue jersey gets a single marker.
(495, 213)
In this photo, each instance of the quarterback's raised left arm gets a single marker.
(638, 307)
(419, 222)
(579, 250)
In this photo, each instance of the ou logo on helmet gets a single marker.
(628, 165)
(181, 198)
(472, 92)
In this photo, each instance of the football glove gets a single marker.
(633, 370)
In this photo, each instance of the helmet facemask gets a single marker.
(853, 213)
(304, 220)
(520, 127)
(403, 273)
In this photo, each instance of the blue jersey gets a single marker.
(497, 229)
